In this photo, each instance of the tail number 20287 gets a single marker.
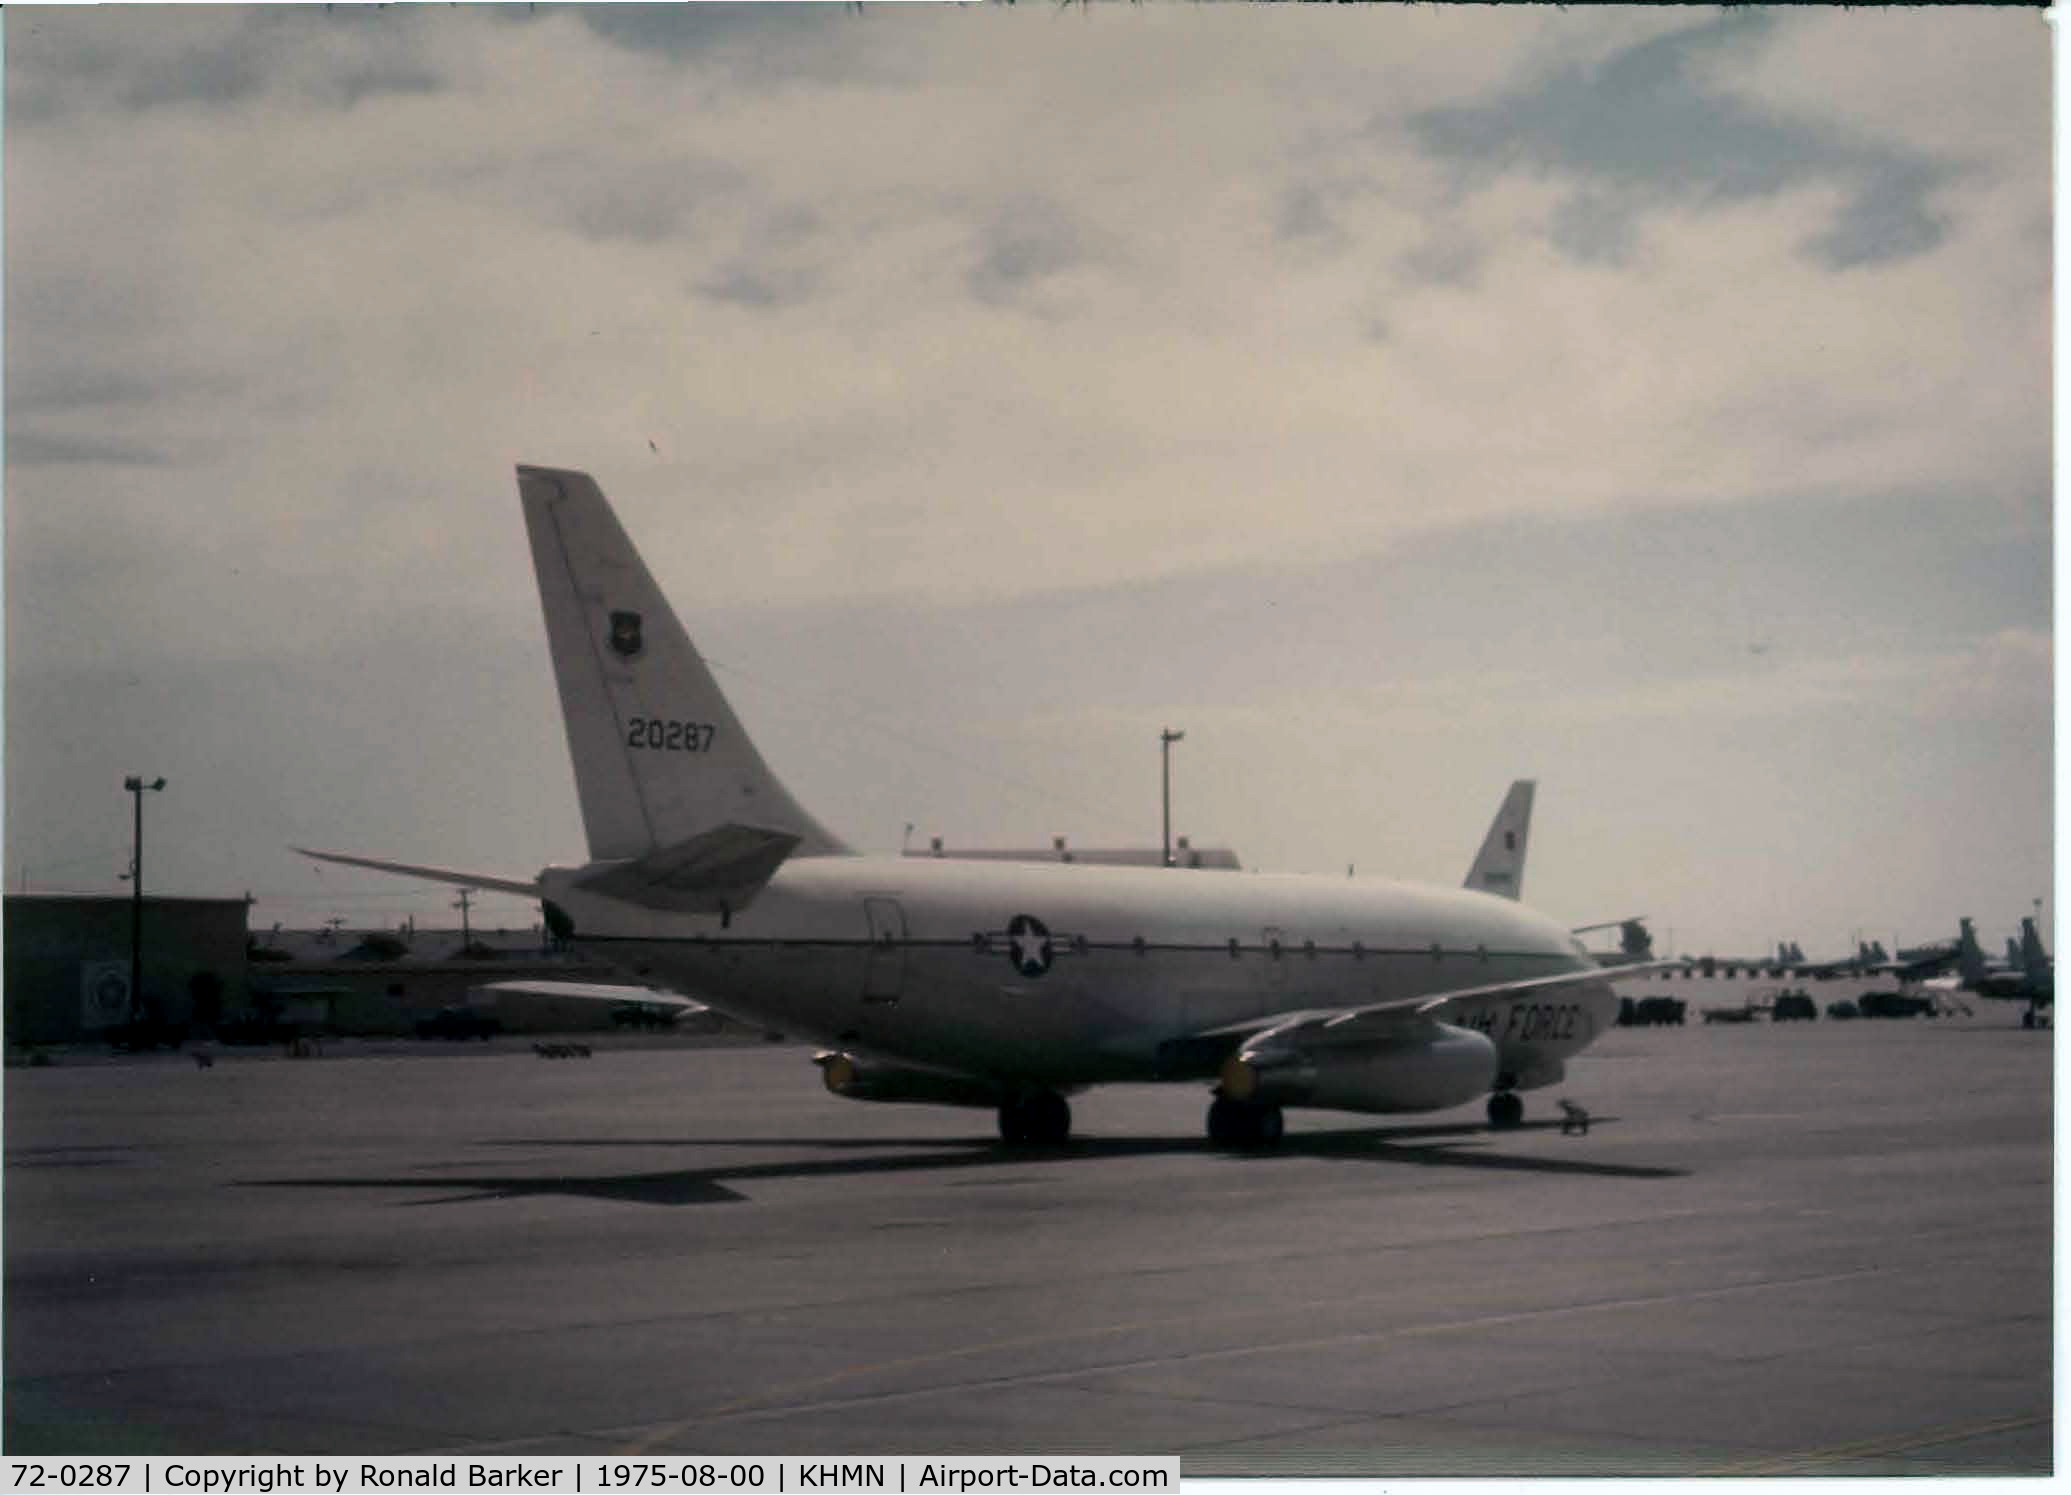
(670, 737)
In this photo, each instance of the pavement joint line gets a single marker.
(746, 1408)
(1873, 1447)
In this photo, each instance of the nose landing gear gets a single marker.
(1506, 1109)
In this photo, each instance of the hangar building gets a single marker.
(68, 962)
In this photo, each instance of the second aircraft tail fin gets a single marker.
(2034, 961)
(1970, 958)
(1499, 868)
(660, 757)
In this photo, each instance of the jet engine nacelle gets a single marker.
(1430, 1070)
(855, 1079)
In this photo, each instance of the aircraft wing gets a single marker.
(1363, 1020)
(597, 991)
(433, 874)
(1919, 968)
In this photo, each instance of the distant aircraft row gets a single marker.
(1946, 967)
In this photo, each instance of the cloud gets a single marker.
(765, 43)
(45, 449)
(139, 62)
(1642, 128)
(1023, 251)
(651, 202)
(2012, 669)
(34, 391)
(537, 261)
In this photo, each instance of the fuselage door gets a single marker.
(884, 967)
(1274, 939)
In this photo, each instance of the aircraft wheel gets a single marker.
(1505, 1109)
(1049, 1117)
(1043, 1118)
(1269, 1126)
(1237, 1124)
(1013, 1124)
(2027, 1020)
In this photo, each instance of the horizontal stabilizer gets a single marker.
(716, 871)
(433, 874)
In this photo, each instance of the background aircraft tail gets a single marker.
(1970, 959)
(1499, 868)
(2034, 959)
(660, 758)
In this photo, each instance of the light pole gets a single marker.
(136, 786)
(1165, 740)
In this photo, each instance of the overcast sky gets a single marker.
(1399, 401)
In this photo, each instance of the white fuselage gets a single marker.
(1068, 976)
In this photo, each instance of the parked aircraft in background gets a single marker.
(1002, 984)
(1867, 957)
(1788, 959)
(1635, 941)
(2030, 976)
(1499, 866)
(1871, 959)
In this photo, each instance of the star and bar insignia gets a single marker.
(1030, 945)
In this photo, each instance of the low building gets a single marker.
(68, 963)
(385, 982)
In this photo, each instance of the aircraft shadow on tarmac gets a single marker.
(1435, 1146)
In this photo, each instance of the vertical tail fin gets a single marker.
(2034, 961)
(1499, 868)
(1635, 939)
(1970, 959)
(659, 755)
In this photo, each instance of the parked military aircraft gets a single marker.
(1788, 959)
(1635, 941)
(2029, 976)
(1499, 866)
(1001, 984)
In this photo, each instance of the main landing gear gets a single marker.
(1506, 1109)
(1236, 1123)
(1040, 1118)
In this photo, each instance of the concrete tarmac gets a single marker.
(1783, 1249)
